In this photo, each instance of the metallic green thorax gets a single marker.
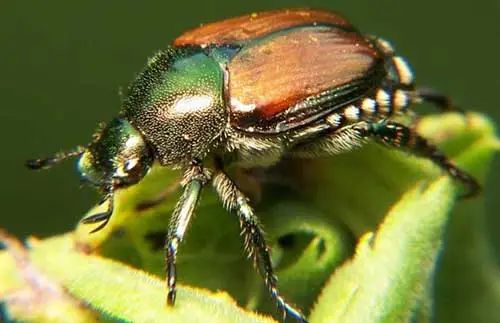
(118, 156)
(177, 104)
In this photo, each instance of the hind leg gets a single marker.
(399, 136)
(400, 76)
(390, 133)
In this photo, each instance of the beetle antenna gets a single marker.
(45, 163)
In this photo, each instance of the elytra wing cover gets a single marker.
(292, 77)
(256, 25)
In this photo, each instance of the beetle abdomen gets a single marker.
(289, 77)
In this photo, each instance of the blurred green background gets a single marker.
(62, 64)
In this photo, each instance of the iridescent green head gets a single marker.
(117, 157)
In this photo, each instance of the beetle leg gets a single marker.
(194, 179)
(443, 102)
(102, 217)
(253, 235)
(402, 77)
(400, 136)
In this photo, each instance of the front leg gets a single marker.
(194, 180)
(255, 243)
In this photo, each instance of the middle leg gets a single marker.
(194, 179)
(255, 243)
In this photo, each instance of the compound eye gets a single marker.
(129, 173)
(131, 164)
(133, 169)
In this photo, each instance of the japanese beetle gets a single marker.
(249, 91)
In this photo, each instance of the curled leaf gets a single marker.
(395, 206)
(387, 279)
(31, 296)
(124, 293)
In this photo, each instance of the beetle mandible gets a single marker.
(249, 91)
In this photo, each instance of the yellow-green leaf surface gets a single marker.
(387, 279)
(27, 294)
(123, 293)
(128, 294)
(355, 238)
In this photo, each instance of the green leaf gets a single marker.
(31, 296)
(386, 280)
(395, 279)
(124, 293)
(371, 223)
(467, 284)
(322, 198)
(128, 294)
(213, 242)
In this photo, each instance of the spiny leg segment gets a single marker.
(253, 235)
(400, 136)
(103, 217)
(194, 180)
(440, 100)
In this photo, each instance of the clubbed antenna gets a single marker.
(48, 162)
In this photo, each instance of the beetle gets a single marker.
(250, 91)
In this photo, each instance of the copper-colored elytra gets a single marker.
(277, 73)
(255, 25)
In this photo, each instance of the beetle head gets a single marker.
(117, 157)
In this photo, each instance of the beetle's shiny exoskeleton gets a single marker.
(249, 91)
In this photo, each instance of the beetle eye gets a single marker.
(129, 173)
(131, 164)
